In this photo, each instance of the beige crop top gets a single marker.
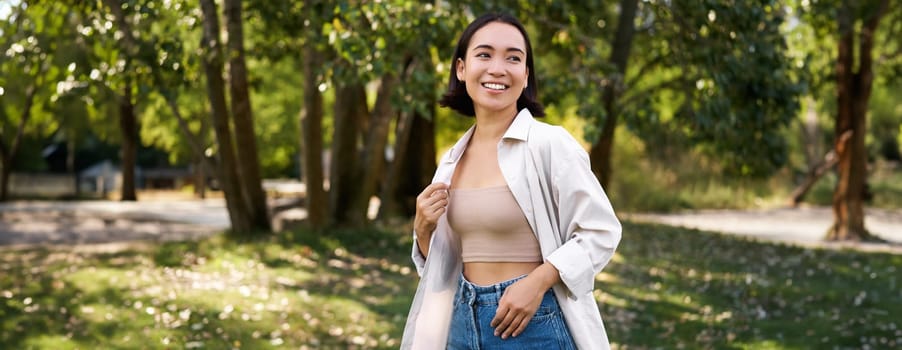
(491, 226)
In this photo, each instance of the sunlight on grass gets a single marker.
(208, 294)
(686, 288)
(51, 342)
(665, 288)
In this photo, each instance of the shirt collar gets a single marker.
(519, 130)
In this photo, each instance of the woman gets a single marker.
(511, 233)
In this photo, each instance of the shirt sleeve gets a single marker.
(589, 227)
(418, 259)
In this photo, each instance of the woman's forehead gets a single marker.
(499, 36)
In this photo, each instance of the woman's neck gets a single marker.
(491, 126)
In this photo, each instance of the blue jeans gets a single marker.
(474, 309)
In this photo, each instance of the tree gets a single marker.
(844, 82)
(409, 41)
(160, 47)
(711, 77)
(854, 80)
(213, 63)
(122, 83)
(128, 123)
(28, 70)
(242, 116)
(361, 45)
(312, 140)
(600, 152)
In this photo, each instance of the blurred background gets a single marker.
(683, 106)
(305, 129)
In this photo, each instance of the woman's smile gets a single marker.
(495, 86)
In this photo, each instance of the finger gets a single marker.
(515, 323)
(522, 326)
(437, 201)
(436, 213)
(438, 187)
(439, 195)
(435, 207)
(431, 204)
(504, 324)
(432, 188)
(499, 316)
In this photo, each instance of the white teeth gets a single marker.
(494, 86)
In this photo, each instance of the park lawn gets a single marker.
(666, 288)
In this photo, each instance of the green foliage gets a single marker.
(685, 180)
(29, 62)
(719, 79)
(276, 103)
(734, 86)
(884, 121)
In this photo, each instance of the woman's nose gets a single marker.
(496, 67)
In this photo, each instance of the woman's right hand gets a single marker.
(431, 204)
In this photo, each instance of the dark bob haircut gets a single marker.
(457, 98)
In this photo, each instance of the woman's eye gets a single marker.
(482, 55)
(515, 58)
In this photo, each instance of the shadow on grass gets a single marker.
(673, 287)
(666, 288)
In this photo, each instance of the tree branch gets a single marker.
(635, 97)
(542, 18)
(645, 68)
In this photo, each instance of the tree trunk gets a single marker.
(128, 125)
(853, 92)
(600, 153)
(422, 156)
(412, 169)
(312, 139)
(8, 153)
(344, 175)
(814, 173)
(242, 115)
(390, 205)
(392, 199)
(5, 172)
(212, 62)
(200, 178)
(374, 158)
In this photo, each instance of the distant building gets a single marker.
(101, 178)
(104, 177)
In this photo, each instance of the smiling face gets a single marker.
(494, 69)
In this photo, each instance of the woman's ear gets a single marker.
(459, 67)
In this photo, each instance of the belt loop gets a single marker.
(470, 293)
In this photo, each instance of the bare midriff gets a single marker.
(489, 273)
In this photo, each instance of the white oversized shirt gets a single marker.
(549, 174)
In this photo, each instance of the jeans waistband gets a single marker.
(472, 293)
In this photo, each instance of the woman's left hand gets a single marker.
(521, 300)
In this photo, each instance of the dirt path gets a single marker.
(804, 226)
(93, 222)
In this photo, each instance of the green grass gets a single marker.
(666, 288)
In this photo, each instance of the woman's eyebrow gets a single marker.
(490, 47)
